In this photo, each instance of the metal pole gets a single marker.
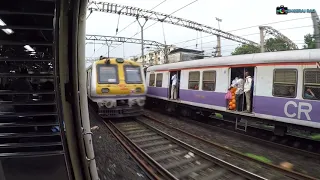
(108, 51)
(262, 39)
(316, 27)
(219, 39)
(219, 46)
(142, 44)
(83, 91)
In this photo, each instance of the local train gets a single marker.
(280, 84)
(116, 87)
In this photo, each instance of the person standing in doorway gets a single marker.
(239, 94)
(174, 86)
(247, 90)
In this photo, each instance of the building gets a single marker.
(182, 54)
(175, 54)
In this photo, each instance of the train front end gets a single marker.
(119, 89)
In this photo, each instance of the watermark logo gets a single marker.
(282, 10)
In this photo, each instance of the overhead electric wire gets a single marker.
(158, 21)
(118, 32)
(255, 34)
(276, 22)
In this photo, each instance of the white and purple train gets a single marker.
(279, 96)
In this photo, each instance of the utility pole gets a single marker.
(108, 47)
(142, 44)
(261, 39)
(166, 52)
(316, 27)
(219, 39)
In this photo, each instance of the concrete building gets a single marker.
(175, 54)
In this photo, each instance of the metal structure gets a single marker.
(316, 27)
(161, 17)
(123, 40)
(108, 39)
(268, 29)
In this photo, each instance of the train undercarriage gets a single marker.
(241, 122)
(121, 109)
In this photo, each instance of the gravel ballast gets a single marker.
(113, 162)
(300, 163)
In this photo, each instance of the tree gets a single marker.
(271, 45)
(310, 42)
(276, 44)
(246, 49)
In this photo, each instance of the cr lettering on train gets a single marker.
(301, 107)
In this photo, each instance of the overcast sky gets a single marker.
(235, 14)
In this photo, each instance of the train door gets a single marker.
(242, 98)
(178, 75)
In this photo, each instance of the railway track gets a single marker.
(257, 134)
(162, 156)
(286, 172)
(175, 159)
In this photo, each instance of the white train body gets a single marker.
(266, 104)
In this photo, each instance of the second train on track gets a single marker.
(116, 87)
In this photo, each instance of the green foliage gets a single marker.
(276, 44)
(259, 158)
(246, 49)
(309, 41)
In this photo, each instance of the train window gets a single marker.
(311, 84)
(194, 79)
(159, 80)
(107, 74)
(285, 83)
(151, 79)
(133, 74)
(209, 80)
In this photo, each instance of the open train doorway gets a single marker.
(242, 79)
(174, 85)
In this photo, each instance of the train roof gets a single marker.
(114, 61)
(308, 55)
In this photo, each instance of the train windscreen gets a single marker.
(108, 74)
(133, 74)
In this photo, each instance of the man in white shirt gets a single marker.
(239, 93)
(174, 87)
(234, 82)
(247, 90)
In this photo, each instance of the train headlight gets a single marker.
(141, 102)
(138, 90)
(105, 90)
(109, 104)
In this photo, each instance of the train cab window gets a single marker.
(159, 80)
(311, 84)
(107, 74)
(194, 80)
(285, 83)
(209, 80)
(152, 79)
(133, 74)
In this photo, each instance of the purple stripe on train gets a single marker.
(158, 91)
(289, 108)
(281, 107)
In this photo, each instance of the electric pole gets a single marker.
(316, 27)
(218, 39)
(261, 39)
(142, 44)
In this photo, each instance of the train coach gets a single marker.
(116, 87)
(280, 91)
